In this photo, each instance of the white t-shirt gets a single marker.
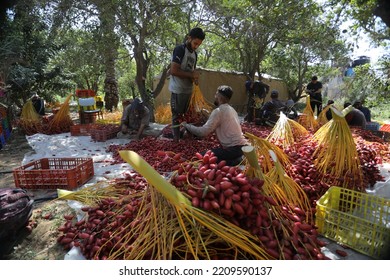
(226, 124)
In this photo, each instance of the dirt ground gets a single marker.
(39, 243)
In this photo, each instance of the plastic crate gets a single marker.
(385, 127)
(53, 173)
(81, 129)
(356, 219)
(104, 132)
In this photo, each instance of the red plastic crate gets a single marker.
(104, 132)
(385, 128)
(81, 129)
(53, 173)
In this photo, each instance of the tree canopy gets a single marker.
(117, 47)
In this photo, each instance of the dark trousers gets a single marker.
(250, 107)
(316, 104)
(179, 106)
(232, 155)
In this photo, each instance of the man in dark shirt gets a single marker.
(254, 89)
(329, 112)
(355, 117)
(367, 113)
(183, 76)
(271, 109)
(314, 90)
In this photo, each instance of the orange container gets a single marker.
(104, 132)
(53, 173)
(81, 129)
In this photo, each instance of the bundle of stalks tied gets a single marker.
(253, 203)
(262, 146)
(62, 120)
(163, 114)
(157, 222)
(191, 218)
(307, 118)
(336, 156)
(293, 234)
(199, 109)
(286, 132)
(322, 119)
(29, 121)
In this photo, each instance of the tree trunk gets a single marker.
(110, 53)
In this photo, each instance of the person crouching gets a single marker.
(135, 119)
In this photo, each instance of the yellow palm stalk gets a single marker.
(322, 119)
(286, 131)
(163, 114)
(253, 169)
(307, 118)
(92, 194)
(185, 212)
(336, 154)
(262, 146)
(111, 118)
(29, 113)
(295, 195)
(29, 119)
(62, 117)
(198, 109)
(155, 232)
(197, 102)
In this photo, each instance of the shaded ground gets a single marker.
(47, 215)
(11, 156)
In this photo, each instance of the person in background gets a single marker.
(355, 117)
(314, 89)
(183, 75)
(38, 103)
(272, 107)
(254, 89)
(367, 113)
(224, 121)
(135, 119)
(328, 113)
(290, 110)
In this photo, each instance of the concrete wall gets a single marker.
(210, 80)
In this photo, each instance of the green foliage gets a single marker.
(70, 45)
(79, 56)
(370, 16)
(28, 52)
(370, 86)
